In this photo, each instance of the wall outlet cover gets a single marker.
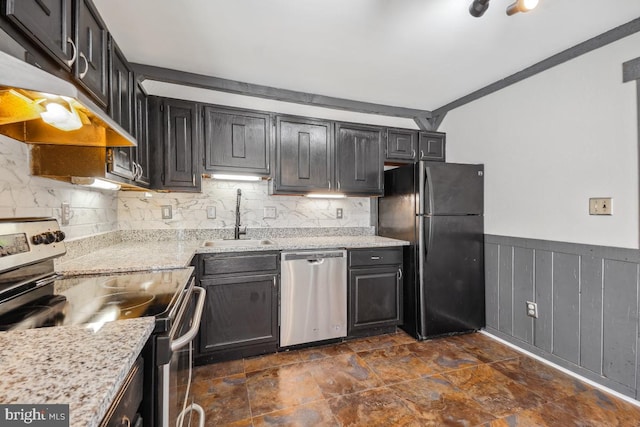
(167, 212)
(532, 309)
(338, 213)
(65, 213)
(269, 213)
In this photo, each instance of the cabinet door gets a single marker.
(91, 40)
(239, 311)
(122, 160)
(142, 136)
(375, 298)
(359, 162)
(236, 141)
(432, 146)
(304, 149)
(401, 145)
(48, 23)
(181, 137)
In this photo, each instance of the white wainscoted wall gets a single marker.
(22, 195)
(138, 211)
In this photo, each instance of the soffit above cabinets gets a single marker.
(418, 54)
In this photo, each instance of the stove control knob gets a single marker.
(49, 238)
(37, 239)
(60, 236)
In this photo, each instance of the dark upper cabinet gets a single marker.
(401, 146)
(304, 156)
(177, 165)
(91, 41)
(121, 160)
(375, 290)
(236, 141)
(431, 146)
(143, 152)
(359, 161)
(48, 23)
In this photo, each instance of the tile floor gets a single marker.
(393, 380)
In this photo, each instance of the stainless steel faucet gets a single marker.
(237, 232)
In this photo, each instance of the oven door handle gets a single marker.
(180, 342)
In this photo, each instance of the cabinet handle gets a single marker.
(86, 66)
(193, 180)
(274, 282)
(413, 153)
(329, 185)
(338, 185)
(399, 274)
(125, 421)
(421, 154)
(375, 258)
(75, 52)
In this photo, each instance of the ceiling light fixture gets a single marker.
(478, 8)
(521, 6)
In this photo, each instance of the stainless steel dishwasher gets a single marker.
(313, 296)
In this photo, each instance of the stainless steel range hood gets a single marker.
(27, 93)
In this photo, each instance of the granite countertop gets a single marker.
(137, 256)
(73, 365)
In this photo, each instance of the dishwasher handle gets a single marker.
(316, 261)
(312, 256)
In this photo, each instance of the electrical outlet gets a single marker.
(166, 212)
(600, 206)
(65, 213)
(269, 213)
(339, 213)
(532, 309)
(211, 212)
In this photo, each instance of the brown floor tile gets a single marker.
(343, 374)
(242, 423)
(540, 378)
(395, 364)
(443, 355)
(316, 353)
(372, 343)
(376, 407)
(437, 402)
(484, 348)
(218, 370)
(271, 361)
(497, 394)
(311, 414)
(280, 388)
(401, 337)
(224, 400)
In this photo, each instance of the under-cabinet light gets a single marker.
(235, 177)
(95, 183)
(326, 196)
(60, 117)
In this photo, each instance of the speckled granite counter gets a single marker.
(71, 364)
(136, 256)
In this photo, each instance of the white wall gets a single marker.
(136, 211)
(22, 195)
(551, 142)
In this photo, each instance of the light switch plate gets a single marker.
(600, 206)
(269, 213)
(166, 212)
(211, 212)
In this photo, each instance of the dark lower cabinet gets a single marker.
(240, 318)
(375, 290)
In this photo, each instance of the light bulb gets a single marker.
(59, 117)
(521, 6)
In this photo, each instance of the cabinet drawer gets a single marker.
(126, 403)
(239, 263)
(375, 256)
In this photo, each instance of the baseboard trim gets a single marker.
(565, 370)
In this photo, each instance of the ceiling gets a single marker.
(418, 54)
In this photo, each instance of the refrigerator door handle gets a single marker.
(429, 195)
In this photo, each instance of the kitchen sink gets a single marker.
(237, 243)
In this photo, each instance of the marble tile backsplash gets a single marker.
(22, 195)
(137, 211)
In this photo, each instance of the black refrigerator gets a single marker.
(438, 207)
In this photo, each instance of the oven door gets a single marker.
(177, 404)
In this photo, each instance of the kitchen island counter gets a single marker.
(138, 256)
(76, 365)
